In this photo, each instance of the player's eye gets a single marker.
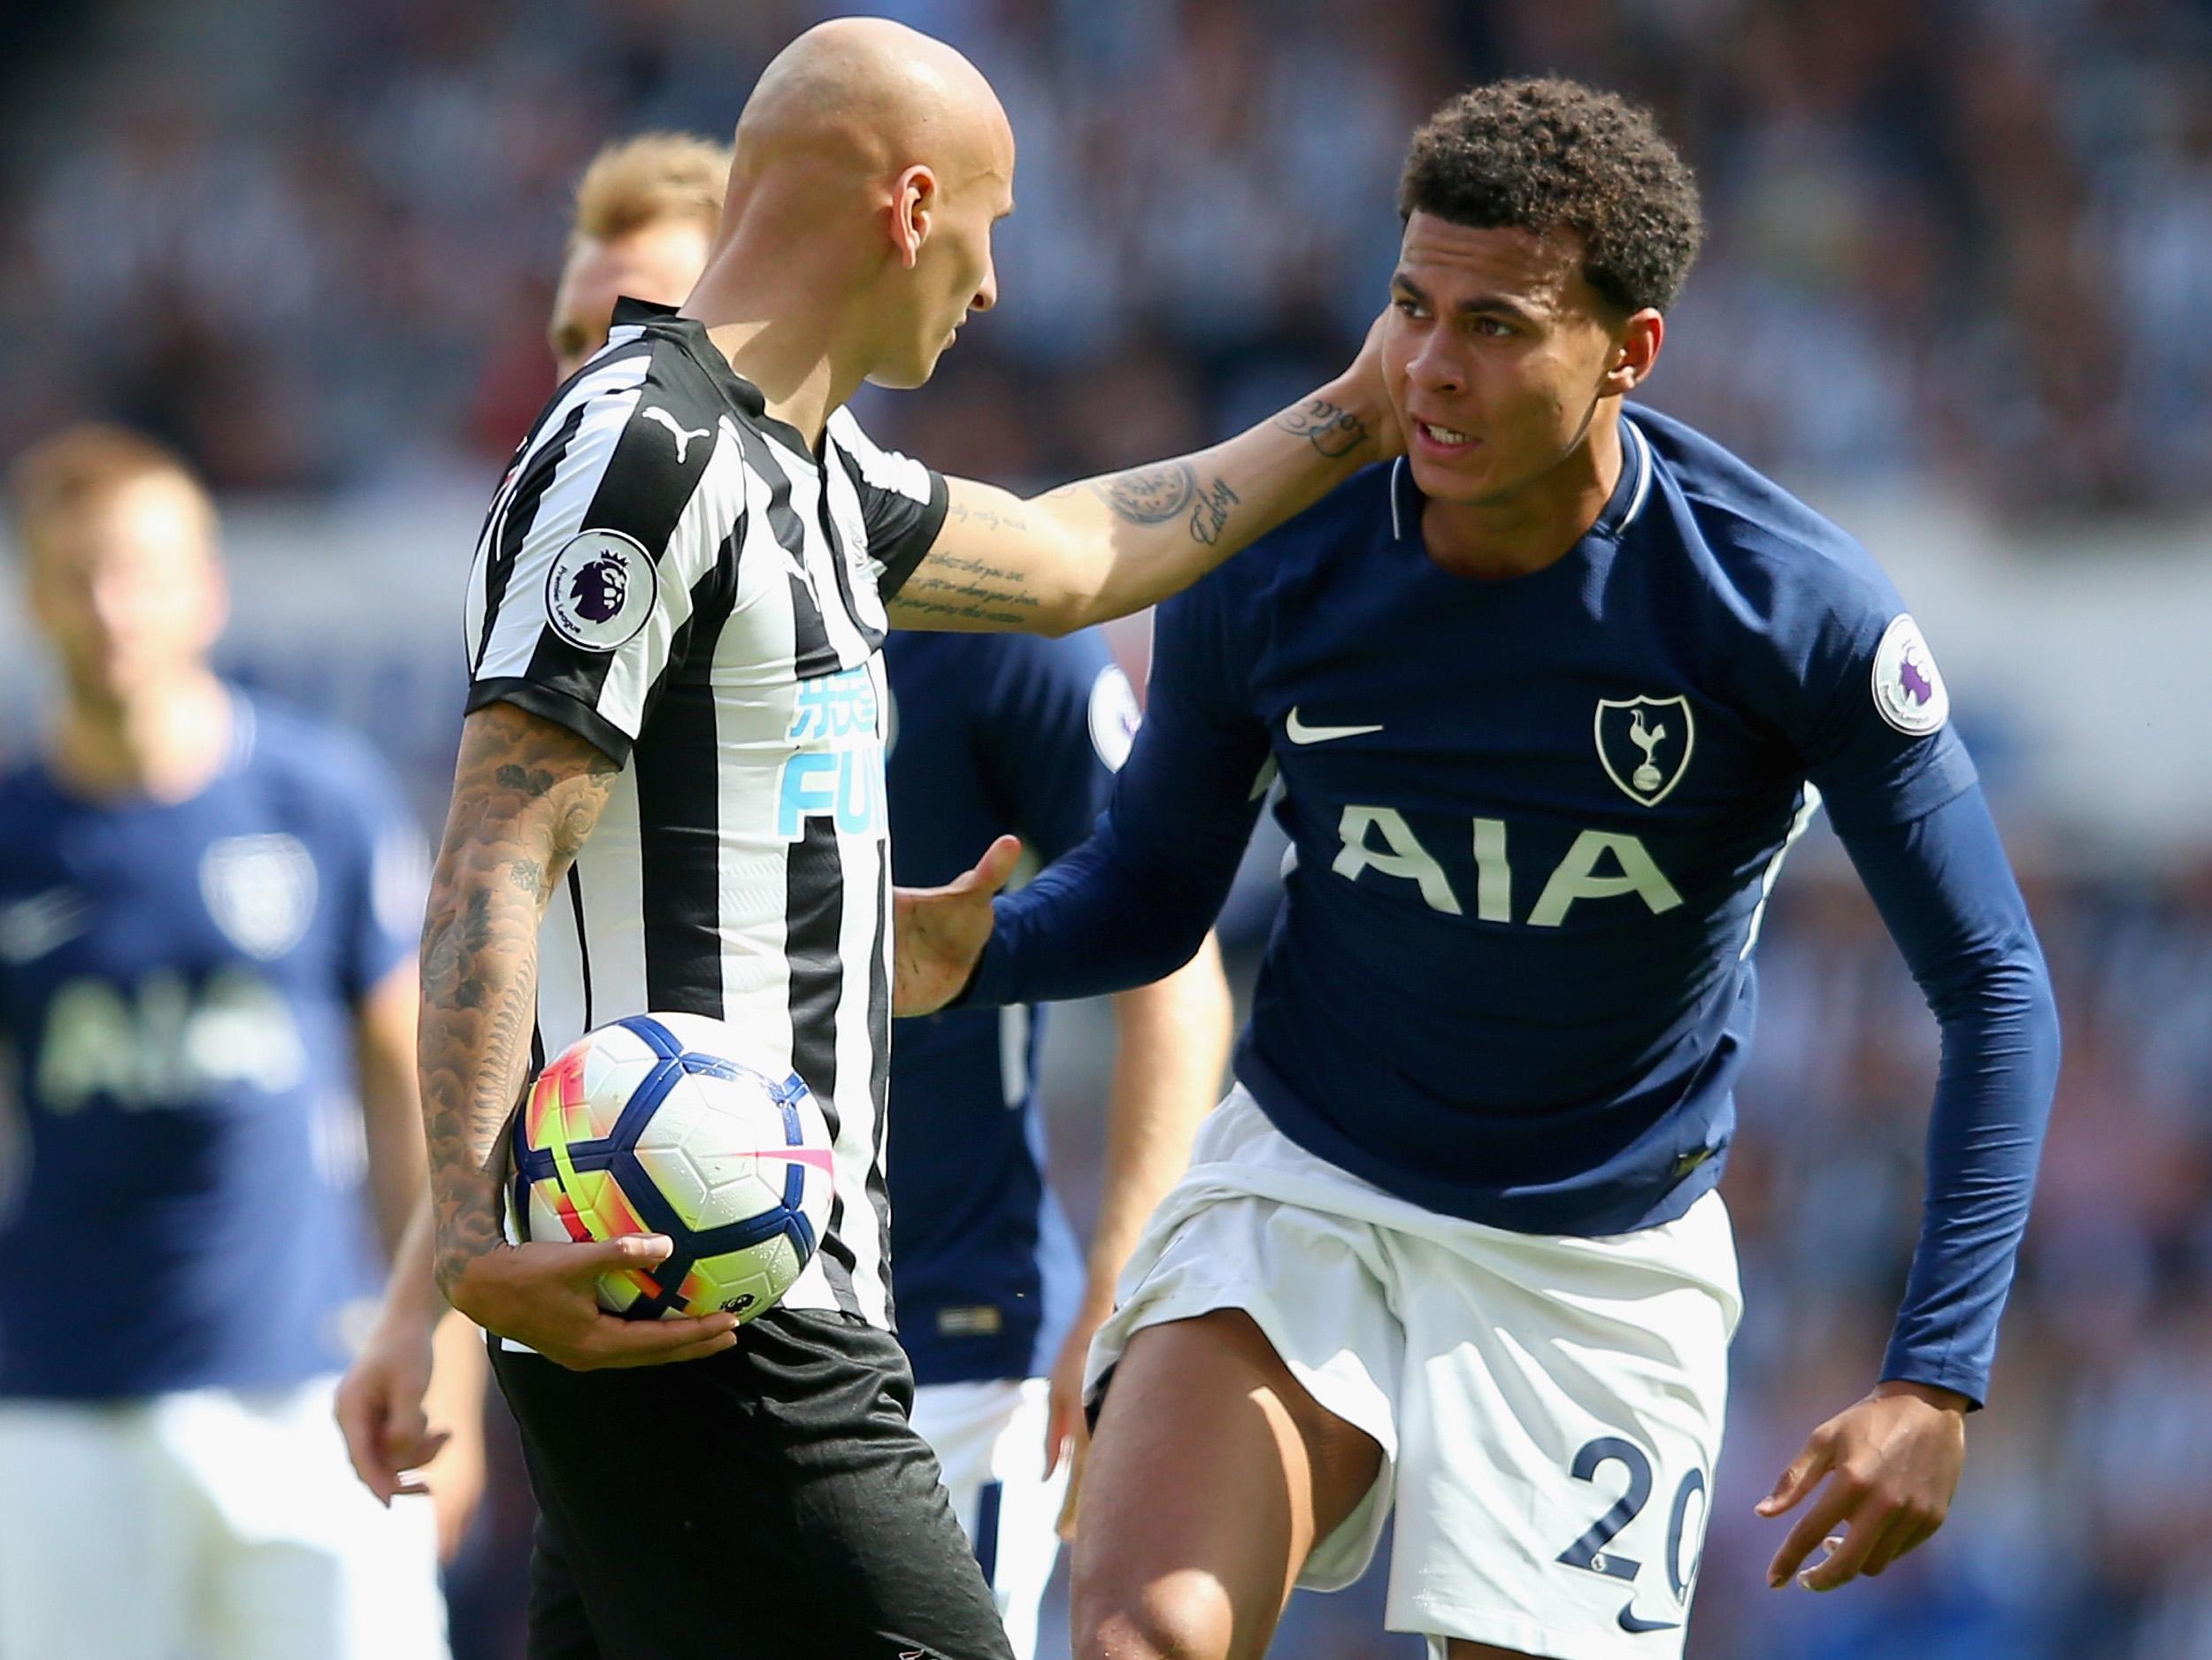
(1494, 327)
(1406, 305)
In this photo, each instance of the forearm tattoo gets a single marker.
(1211, 517)
(1156, 496)
(971, 590)
(1149, 495)
(1335, 432)
(526, 796)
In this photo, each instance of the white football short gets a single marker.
(207, 1524)
(989, 1438)
(1549, 1409)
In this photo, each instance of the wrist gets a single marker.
(1934, 1394)
(1347, 420)
(402, 1328)
(457, 1265)
(411, 1314)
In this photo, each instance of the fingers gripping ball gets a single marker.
(647, 1126)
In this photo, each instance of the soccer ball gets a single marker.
(646, 1125)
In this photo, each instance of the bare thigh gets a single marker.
(1212, 1475)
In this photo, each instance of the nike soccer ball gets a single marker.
(647, 1125)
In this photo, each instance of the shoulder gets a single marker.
(21, 776)
(324, 763)
(871, 465)
(636, 427)
(26, 797)
(1766, 552)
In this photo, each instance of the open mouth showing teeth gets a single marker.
(1444, 434)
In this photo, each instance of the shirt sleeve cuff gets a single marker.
(559, 708)
(1903, 1365)
(992, 985)
(915, 545)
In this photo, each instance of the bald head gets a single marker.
(871, 164)
(875, 97)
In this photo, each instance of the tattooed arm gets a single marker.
(527, 794)
(1107, 546)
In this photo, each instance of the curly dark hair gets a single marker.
(1556, 155)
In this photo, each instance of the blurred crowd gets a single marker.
(312, 243)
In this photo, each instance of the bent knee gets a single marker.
(1182, 1616)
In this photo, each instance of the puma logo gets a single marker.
(682, 436)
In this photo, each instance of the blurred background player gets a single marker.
(207, 992)
(996, 1306)
(1550, 698)
(996, 1301)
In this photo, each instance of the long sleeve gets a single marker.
(1946, 892)
(1133, 902)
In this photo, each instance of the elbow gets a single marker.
(2036, 997)
(2043, 1014)
(1057, 622)
(1153, 968)
(2007, 988)
(1185, 962)
(1200, 983)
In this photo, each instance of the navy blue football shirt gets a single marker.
(988, 733)
(177, 991)
(1534, 823)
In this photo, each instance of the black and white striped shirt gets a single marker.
(676, 576)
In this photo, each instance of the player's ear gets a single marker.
(914, 203)
(1635, 350)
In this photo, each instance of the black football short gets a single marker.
(770, 1503)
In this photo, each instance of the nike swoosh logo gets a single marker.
(1298, 732)
(1630, 1622)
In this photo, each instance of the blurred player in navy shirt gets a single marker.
(997, 1300)
(207, 1000)
(996, 1303)
(1550, 699)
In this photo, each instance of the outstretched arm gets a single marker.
(1107, 546)
(1135, 902)
(1892, 1463)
